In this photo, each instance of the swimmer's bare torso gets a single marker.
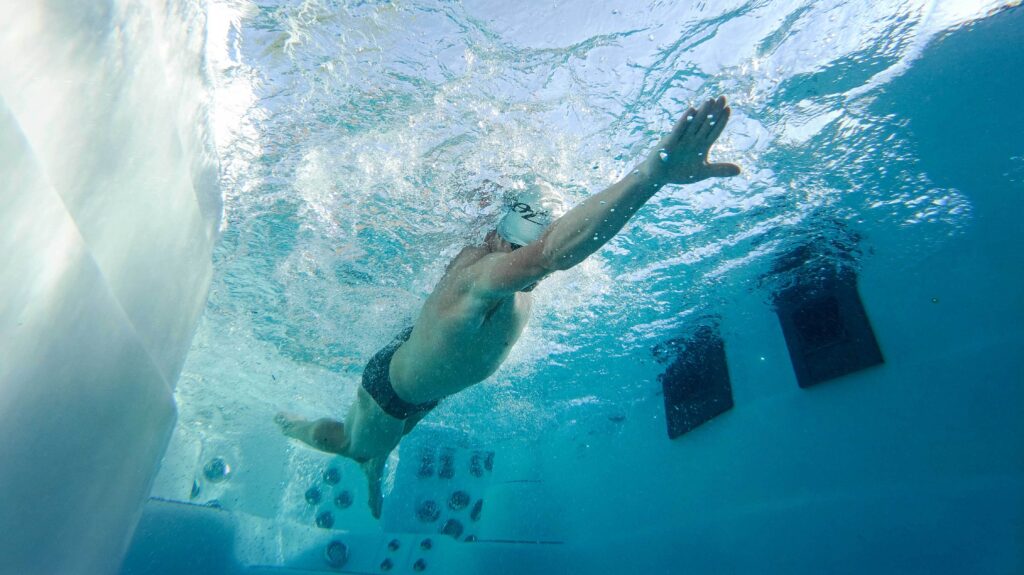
(462, 334)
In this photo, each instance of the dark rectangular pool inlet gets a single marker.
(696, 384)
(826, 328)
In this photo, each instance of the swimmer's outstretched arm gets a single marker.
(679, 158)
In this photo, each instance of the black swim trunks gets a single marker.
(377, 382)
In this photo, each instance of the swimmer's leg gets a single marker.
(373, 432)
(323, 434)
(367, 432)
(367, 436)
(412, 420)
(374, 470)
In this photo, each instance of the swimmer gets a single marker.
(478, 310)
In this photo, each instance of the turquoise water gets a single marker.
(354, 166)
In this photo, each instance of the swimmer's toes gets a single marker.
(287, 422)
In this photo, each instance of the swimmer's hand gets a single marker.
(681, 157)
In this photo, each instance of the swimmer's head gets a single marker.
(530, 212)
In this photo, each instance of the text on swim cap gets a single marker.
(528, 213)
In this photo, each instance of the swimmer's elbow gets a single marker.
(561, 252)
(550, 260)
(554, 260)
(558, 265)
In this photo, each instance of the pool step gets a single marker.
(175, 537)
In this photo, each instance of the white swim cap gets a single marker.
(530, 212)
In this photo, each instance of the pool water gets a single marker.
(359, 145)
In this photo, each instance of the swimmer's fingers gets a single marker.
(701, 118)
(711, 119)
(717, 125)
(688, 125)
(681, 127)
(690, 140)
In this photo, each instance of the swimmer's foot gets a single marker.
(323, 434)
(374, 470)
(290, 424)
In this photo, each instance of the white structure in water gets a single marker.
(109, 208)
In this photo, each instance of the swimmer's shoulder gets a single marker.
(465, 268)
(466, 258)
(457, 270)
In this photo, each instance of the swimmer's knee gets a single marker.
(329, 435)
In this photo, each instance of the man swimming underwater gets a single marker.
(478, 310)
